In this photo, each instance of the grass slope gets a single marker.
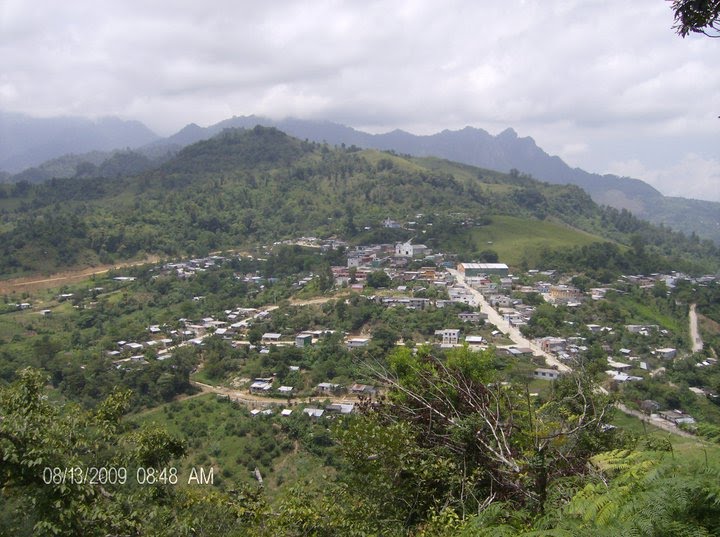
(518, 239)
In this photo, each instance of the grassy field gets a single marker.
(645, 313)
(516, 239)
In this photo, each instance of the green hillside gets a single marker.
(244, 188)
(519, 239)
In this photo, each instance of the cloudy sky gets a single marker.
(605, 84)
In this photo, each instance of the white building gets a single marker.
(450, 336)
(407, 249)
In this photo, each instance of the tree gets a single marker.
(697, 16)
(378, 279)
(385, 337)
(473, 440)
(48, 451)
(488, 256)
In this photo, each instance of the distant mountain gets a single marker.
(26, 141)
(504, 152)
(246, 187)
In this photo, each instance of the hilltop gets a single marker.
(246, 187)
(79, 148)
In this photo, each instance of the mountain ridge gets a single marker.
(503, 152)
(246, 187)
(28, 141)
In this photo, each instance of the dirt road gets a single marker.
(697, 343)
(656, 421)
(33, 283)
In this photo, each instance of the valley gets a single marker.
(334, 331)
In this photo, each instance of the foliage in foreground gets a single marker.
(470, 459)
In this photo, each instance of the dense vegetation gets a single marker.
(257, 186)
(452, 452)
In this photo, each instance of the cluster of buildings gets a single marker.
(186, 269)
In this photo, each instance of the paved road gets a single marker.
(697, 343)
(512, 332)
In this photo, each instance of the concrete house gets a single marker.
(450, 336)
(408, 249)
(546, 374)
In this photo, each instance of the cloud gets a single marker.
(589, 80)
(693, 177)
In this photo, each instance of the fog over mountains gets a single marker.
(26, 141)
(30, 142)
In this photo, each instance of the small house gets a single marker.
(328, 388)
(303, 339)
(546, 374)
(270, 338)
(260, 386)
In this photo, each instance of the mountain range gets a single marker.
(31, 142)
(244, 188)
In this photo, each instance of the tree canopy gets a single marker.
(697, 16)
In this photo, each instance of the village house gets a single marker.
(408, 249)
(132, 346)
(618, 366)
(500, 301)
(598, 293)
(514, 318)
(328, 388)
(546, 374)
(340, 408)
(270, 338)
(357, 342)
(459, 294)
(407, 302)
(303, 339)
(475, 341)
(552, 344)
(677, 417)
(563, 293)
(261, 386)
(314, 412)
(472, 317)
(622, 377)
(362, 389)
(543, 287)
(666, 353)
(390, 224)
(643, 329)
(450, 336)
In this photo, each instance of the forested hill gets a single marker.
(246, 187)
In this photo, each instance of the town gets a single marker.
(542, 323)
